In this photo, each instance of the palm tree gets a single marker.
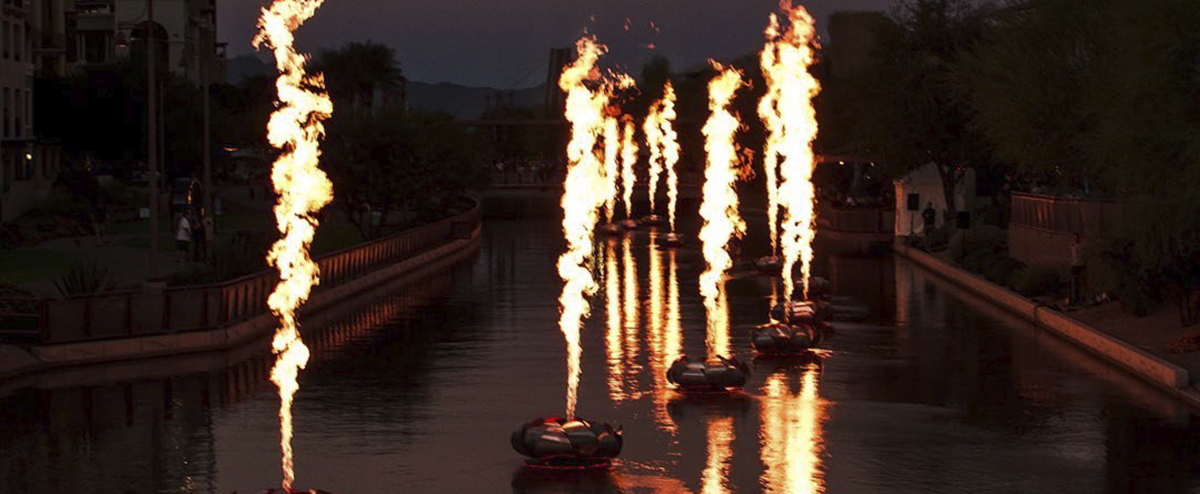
(356, 70)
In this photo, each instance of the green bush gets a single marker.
(85, 278)
(1038, 281)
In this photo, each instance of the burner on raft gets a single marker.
(769, 265)
(651, 220)
(559, 443)
(784, 339)
(671, 240)
(629, 224)
(708, 377)
(817, 314)
(608, 229)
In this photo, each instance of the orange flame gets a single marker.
(612, 144)
(767, 112)
(788, 112)
(791, 435)
(296, 129)
(670, 148)
(585, 192)
(659, 342)
(664, 148)
(629, 156)
(719, 207)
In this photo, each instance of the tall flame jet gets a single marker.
(791, 121)
(295, 129)
(584, 193)
(719, 207)
(629, 157)
(664, 149)
(612, 147)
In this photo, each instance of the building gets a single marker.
(555, 98)
(28, 171)
(75, 34)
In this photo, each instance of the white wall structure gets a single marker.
(927, 184)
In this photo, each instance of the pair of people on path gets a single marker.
(193, 236)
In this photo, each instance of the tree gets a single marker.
(905, 112)
(354, 71)
(400, 162)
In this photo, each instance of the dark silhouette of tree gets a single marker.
(354, 72)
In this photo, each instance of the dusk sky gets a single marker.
(505, 43)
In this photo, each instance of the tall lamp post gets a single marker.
(205, 83)
(152, 136)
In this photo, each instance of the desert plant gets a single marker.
(84, 278)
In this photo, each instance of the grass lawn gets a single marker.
(26, 265)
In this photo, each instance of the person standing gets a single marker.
(929, 218)
(183, 237)
(1077, 271)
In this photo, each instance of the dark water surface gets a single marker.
(416, 390)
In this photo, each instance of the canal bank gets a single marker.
(1154, 369)
(132, 326)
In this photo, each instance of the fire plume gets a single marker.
(664, 148)
(629, 156)
(670, 149)
(719, 207)
(612, 146)
(788, 112)
(296, 129)
(585, 191)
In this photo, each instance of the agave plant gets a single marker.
(85, 277)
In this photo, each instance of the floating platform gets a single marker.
(671, 240)
(719, 376)
(780, 339)
(629, 224)
(651, 220)
(769, 265)
(568, 444)
(610, 229)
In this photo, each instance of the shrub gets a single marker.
(84, 278)
(1037, 281)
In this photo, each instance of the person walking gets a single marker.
(1077, 271)
(183, 237)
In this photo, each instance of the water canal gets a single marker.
(416, 389)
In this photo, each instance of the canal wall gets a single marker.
(229, 314)
(1157, 371)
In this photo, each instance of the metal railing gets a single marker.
(204, 307)
(1087, 217)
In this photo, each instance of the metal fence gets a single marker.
(1087, 217)
(204, 307)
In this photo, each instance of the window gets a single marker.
(18, 42)
(18, 112)
(7, 105)
(7, 39)
(29, 113)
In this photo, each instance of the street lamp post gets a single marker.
(152, 136)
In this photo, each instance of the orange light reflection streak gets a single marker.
(791, 435)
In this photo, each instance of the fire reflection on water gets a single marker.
(612, 337)
(714, 480)
(791, 434)
(630, 316)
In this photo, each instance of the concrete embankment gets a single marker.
(1164, 375)
(17, 363)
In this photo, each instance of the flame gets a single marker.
(719, 207)
(612, 338)
(767, 112)
(629, 156)
(612, 145)
(670, 149)
(720, 450)
(664, 148)
(652, 130)
(584, 193)
(791, 435)
(788, 112)
(629, 286)
(296, 129)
